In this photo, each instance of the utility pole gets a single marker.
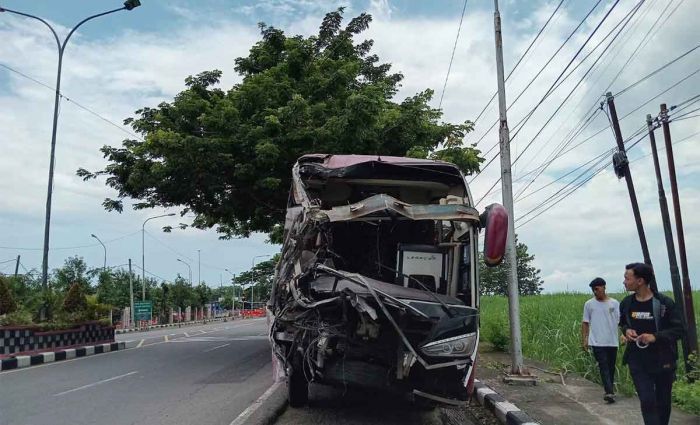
(131, 295)
(692, 334)
(622, 169)
(517, 368)
(17, 266)
(199, 267)
(668, 233)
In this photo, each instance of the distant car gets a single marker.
(377, 283)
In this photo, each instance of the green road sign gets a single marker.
(143, 310)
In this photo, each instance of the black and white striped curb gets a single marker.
(56, 356)
(169, 325)
(506, 412)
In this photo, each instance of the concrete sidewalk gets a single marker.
(575, 401)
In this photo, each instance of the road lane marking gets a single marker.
(114, 378)
(256, 405)
(214, 348)
(140, 343)
(187, 335)
(166, 338)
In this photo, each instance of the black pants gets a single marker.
(606, 357)
(654, 390)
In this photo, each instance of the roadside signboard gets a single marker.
(143, 310)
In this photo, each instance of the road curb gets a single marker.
(169, 325)
(56, 356)
(267, 408)
(506, 412)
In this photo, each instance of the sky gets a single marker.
(121, 62)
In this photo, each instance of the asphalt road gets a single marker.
(329, 405)
(205, 375)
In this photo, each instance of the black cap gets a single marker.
(598, 281)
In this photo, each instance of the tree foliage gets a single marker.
(75, 300)
(258, 280)
(226, 155)
(7, 301)
(494, 279)
(74, 270)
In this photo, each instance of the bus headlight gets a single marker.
(458, 346)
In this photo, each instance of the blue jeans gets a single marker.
(606, 358)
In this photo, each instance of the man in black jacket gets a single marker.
(651, 324)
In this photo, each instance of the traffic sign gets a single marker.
(143, 310)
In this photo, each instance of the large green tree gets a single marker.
(494, 280)
(258, 280)
(226, 155)
(74, 270)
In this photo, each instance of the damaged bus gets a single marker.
(377, 286)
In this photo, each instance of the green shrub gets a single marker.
(7, 301)
(497, 332)
(16, 318)
(75, 301)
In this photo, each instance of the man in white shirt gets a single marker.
(601, 316)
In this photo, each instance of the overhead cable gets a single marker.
(551, 58)
(656, 71)
(522, 56)
(454, 48)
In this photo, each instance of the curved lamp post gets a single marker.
(104, 267)
(128, 5)
(233, 280)
(143, 252)
(188, 267)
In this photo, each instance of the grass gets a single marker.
(551, 332)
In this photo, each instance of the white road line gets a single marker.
(187, 335)
(97, 383)
(140, 343)
(214, 348)
(256, 405)
(166, 338)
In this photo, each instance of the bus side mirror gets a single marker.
(495, 222)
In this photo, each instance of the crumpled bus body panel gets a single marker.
(376, 287)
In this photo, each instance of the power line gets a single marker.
(627, 115)
(530, 114)
(583, 123)
(656, 71)
(76, 103)
(551, 58)
(534, 40)
(71, 247)
(152, 274)
(549, 91)
(454, 48)
(571, 190)
(600, 170)
(556, 111)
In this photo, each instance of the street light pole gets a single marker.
(104, 267)
(233, 286)
(128, 5)
(143, 252)
(252, 277)
(188, 267)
